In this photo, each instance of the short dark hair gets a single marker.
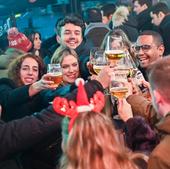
(159, 77)
(156, 36)
(92, 15)
(142, 2)
(108, 9)
(73, 19)
(160, 7)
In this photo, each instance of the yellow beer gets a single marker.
(119, 92)
(97, 68)
(56, 78)
(114, 55)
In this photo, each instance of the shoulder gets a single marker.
(160, 158)
(7, 82)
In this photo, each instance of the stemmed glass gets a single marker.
(114, 50)
(97, 60)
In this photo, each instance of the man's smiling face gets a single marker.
(71, 36)
(147, 50)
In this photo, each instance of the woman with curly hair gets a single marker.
(20, 92)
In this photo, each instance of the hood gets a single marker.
(120, 16)
(164, 124)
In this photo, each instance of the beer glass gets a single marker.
(118, 85)
(114, 50)
(55, 73)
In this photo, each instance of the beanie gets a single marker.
(18, 40)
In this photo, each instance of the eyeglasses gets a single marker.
(145, 48)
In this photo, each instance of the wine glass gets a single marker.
(115, 49)
(99, 60)
(92, 60)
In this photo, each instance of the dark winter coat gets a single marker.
(144, 20)
(164, 30)
(83, 51)
(122, 19)
(26, 142)
(16, 102)
(160, 157)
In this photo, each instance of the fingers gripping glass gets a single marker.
(145, 48)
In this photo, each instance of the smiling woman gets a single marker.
(20, 92)
(69, 62)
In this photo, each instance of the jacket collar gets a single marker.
(164, 124)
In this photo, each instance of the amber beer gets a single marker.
(56, 78)
(97, 68)
(114, 55)
(119, 92)
(91, 70)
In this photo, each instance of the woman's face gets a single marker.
(37, 41)
(70, 69)
(29, 71)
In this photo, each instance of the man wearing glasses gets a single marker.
(149, 48)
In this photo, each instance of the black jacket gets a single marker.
(19, 135)
(23, 140)
(130, 28)
(83, 51)
(164, 30)
(144, 20)
(16, 102)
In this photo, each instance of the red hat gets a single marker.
(82, 100)
(71, 109)
(18, 40)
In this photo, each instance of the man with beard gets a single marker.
(149, 48)
(70, 33)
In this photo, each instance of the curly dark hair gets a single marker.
(15, 66)
(73, 19)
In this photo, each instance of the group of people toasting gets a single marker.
(50, 119)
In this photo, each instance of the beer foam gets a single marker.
(116, 51)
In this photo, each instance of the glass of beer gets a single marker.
(99, 60)
(118, 86)
(55, 73)
(92, 60)
(115, 49)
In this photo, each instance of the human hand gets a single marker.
(134, 88)
(104, 76)
(124, 110)
(42, 84)
(146, 84)
(45, 83)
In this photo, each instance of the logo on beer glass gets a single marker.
(118, 86)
